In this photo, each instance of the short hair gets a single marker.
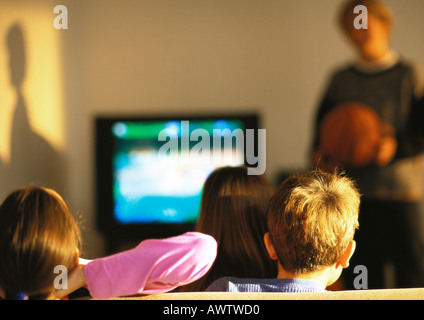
(37, 233)
(312, 217)
(375, 8)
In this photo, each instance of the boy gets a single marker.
(312, 218)
(390, 239)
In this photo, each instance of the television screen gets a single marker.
(150, 171)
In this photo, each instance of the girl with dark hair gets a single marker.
(233, 211)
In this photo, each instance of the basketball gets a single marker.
(350, 135)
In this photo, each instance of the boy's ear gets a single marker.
(270, 247)
(345, 257)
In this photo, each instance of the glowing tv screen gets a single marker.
(151, 171)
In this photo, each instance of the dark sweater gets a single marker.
(391, 92)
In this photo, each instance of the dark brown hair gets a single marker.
(312, 217)
(37, 233)
(233, 211)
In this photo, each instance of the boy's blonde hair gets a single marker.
(312, 217)
(376, 8)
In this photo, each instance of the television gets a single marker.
(150, 170)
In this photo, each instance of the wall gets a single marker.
(171, 56)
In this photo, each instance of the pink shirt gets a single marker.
(154, 266)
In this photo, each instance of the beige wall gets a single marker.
(170, 56)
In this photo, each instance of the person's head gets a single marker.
(37, 233)
(233, 211)
(312, 218)
(17, 55)
(371, 43)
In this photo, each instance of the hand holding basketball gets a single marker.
(352, 135)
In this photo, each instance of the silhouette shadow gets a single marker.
(32, 159)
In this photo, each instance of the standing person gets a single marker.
(390, 240)
(233, 211)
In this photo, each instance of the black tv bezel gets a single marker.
(104, 147)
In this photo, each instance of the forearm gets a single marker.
(153, 266)
(75, 281)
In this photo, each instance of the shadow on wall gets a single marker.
(32, 159)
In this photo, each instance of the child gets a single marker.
(233, 211)
(154, 266)
(38, 233)
(312, 219)
(386, 81)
